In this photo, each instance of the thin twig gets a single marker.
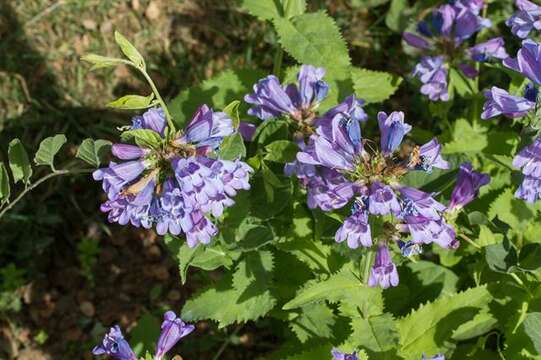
(470, 241)
(226, 343)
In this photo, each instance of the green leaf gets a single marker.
(281, 151)
(315, 320)
(144, 334)
(130, 51)
(479, 325)
(132, 102)
(92, 151)
(232, 109)
(532, 328)
(21, 169)
(232, 147)
(466, 138)
(143, 137)
(526, 341)
(487, 237)
(317, 352)
(429, 328)
(48, 148)
(253, 236)
(263, 9)
(242, 297)
(343, 286)
(206, 258)
(501, 257)
(99, 61)
(395, 19)
(374, 86)
(512, 211)
(460, 83)
(270, 131)
(375, 334)
(217, 92)
(293, 7)
(4, 184)
(314, 38)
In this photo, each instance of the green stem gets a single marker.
(160, 100)
(35, 185)
(226, 343)
(469, 240)
(278, 58)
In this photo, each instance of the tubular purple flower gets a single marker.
(128, 152)
(202, 230)
(493, 48)
(338, 355)
(172, 330)
(525, 20)
(115, 345)
(415, 41)
(467, 186)
(528, 61)
(436, 357)
(152, 119)
(529, 161)
(247, 130)
(417, 202)
(312, 89)
(500, 102)
(529, 190)
(207, 128)
(392, 129)
(433, 74)
(382, 200)
(426, 231)
(270, 99)
(356, 229)
(384, 273)
(350, 108)
(430, 156)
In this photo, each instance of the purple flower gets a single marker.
(426, 231)
(416, 202)
(351, 108)
(433, 74)
(499, 101)
(392, 129)
(356, 229)
(409, 248)
(526, 19)
(382, 200)
(174, 187)
(493, 48)
(467, 186)
(271, 99)
(531, 92)
(430, 157)
(436, 357)
(115, 345)
(383, 272)
(528, 61)
(529, 161)
(338, 355)
(172, 330)
(247, 130)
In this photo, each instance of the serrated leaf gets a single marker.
(20, 166)
(217, 92)
(132, 102)
(99, 61)
(282, 151)
(232, 109)
(314, 38)
(144, 334)
(479, 325)
(429, 328)
(92, 151)
(130, 51)
(242, 297)
(487, 237)
(343, 286)
(501, 257)
(4, 184)
(48, 148)
(232, 147)
(315, 320)
(319, 352)
(143, 137)
(206, 258)
(374, 86)
(512, 211)
(263, 9)
(466, 138)
(293, 7)
(375, 334)
(269, 131)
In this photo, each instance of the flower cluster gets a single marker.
(443, 34)
(500, 102)
(171, 182)
(172, 330)
(337, 168)
(338, 355)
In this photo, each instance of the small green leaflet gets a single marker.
(395, 19)
(132, 102)
(375, 334)
(314, 320)
(271, 9)
(232, 147)
(374, 86)
(467, 138)
(48, 148)
(143, 137)
(130, 51)
(99, 61)
(281, 151)
(21, 169)
(92, 151)
(314, 38)
(233, 111)
(293, 7)
(4, 184)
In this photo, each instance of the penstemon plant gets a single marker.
(352, 243)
